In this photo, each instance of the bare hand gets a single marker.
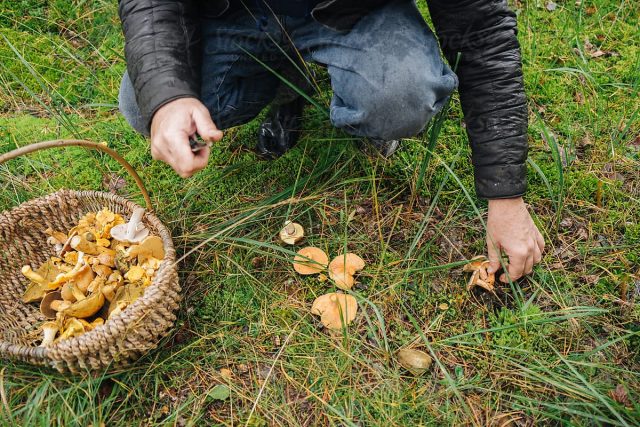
(171, 127)
(511, 230)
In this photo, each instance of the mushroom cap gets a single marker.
(34, 293)
(343, 267)
(475, 263)
(310, 260)
(350, 263)
(335, 309)
(86, 307)
(151, 247)
(45, 304)
(119, 233)
(291, 233)
(341, 278)
(415, 361)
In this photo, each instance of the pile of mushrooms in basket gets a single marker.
(101, 266)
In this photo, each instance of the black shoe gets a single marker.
(281, 130)
(373, 147)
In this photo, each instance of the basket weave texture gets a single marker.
(124, 337)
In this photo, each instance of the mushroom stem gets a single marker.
(28, 272)
(135, 220)
(49, 329)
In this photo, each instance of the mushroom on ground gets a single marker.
(335, 309)
(480, 277)
(415, 361)
(292, 233)
(343, 267)
(49, 331)
(310, 260)
(133, 231)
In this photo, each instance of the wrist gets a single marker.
(514, 201)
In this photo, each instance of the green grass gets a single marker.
(547, 351)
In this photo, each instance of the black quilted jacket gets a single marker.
(163, 62)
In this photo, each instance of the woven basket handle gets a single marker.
(31, 148)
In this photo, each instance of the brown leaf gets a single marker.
(113, 182)
(620, 395)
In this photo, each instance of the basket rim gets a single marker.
(152, 294)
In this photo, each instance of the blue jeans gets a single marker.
(387, 75)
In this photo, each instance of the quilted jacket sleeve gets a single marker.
(161, 39)
(481, 36)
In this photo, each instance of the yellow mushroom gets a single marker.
(335, 309)
(80, 244)
(72, 327)
(310, 260)
(86, 307)
(38, 287)
(151, 247)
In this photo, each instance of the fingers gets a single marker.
(516, 267)
(493, 250)
(205, 126)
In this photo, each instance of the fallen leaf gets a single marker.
(620, 395)
(219, 392)
(113, 182)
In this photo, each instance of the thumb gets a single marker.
(493, 249)
(205, 126)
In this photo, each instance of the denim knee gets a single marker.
(129, 106)
(402, 108)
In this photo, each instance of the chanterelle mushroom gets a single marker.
(133, 231)
(310, 260)
(480, 277)
(292, 233)
(343, 267)
(151, 247)
(335, 309)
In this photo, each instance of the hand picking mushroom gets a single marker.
(335, 309)
(343, 268)
(292, 233)
(133, 231)
(480, 277)
(310, 260)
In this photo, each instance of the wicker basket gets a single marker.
(124, 337)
